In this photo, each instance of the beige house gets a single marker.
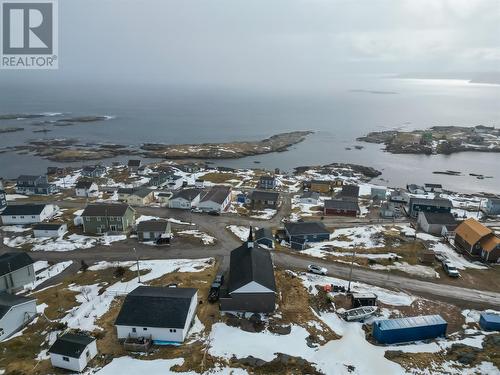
(136, 196)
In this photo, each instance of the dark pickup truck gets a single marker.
(214, 293)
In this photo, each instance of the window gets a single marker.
(173, 330)
(22, 217)
(65, 359)
(87, 218)
(134, 330)
(144, 329)
(98, 218)
(32, 217)
(87, 354)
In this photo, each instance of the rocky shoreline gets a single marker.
(438, 140)
(70, 150)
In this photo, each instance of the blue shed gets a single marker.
(241, 198)
(490, 321)
(415, 328)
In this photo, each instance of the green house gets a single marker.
(107, 218)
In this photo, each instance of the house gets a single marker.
(34, 185)
(399, 196)
(340, 207)
(477, 240)
(309, 197)
(16, 270)
(174, 182)
(161, 313)
(415, 189)
(388, 210)
(217, 199)
(21, 214)
(251, 286)
(320, 186)
(93, 171)
(49, 230)
(433, 222)
(133, 165)
(433, 188)
(199, 183)
(349, 193)
(3, 200)
(163, 197)
(417, 328)
(378, 192)
(73, 351)
(152, 230)
(267, 183)
(298, 234)
(15, 313)
(438, 205)
(107, 217)
(264, 236)
(185, 199)
(140, 197)
(86, 188)
(492, 206)
(264, 199)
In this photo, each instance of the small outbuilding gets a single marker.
(53, 230)
(264, 236)
(489, 321)
(417, 328)
(73, 351)
(363, 299)
(152, 230)
(15, 313)
(86, 188)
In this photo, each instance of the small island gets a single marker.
(11, 130)
(438, 140)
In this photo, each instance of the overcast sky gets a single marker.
(269, 42)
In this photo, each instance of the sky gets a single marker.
(268, 43)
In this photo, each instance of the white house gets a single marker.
(163, 197)
(73, 351)
(87, 189)
(159, 313)
(185, 199)
(15, 313)
(216, 199)
(49, 230)
(309, 197)
(434, 222)
(16, 270)
(21, 214)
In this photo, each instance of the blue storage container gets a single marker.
(416, 328)
(489, 321)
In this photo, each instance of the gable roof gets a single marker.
(249, 264)
(263, 233)
(26, 177)
(438, 202)
(310, 194)
(445, 218)
(340, 204)
(48, 226)
(350, 191)
(7, 301)
(134, 163)
(187, 194)
(141, 192)
(472, 231)
(23, 209)
(217, 194)
(106, 209)
(490, 242)
(13, 261)
(260, 195)
(84, 184)
(152, 226)
(71, 345)
(162, 307)
(306, 228)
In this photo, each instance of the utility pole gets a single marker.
(350, 271)
(137, 262)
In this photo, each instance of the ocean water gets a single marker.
(350, 109)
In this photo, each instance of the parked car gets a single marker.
(196, 210)
(450, 269)
(317, 269)
(214, 213)
(219, 279)
(214, 293)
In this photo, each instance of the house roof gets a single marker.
(310, 194)
(13, 261)
(490, 243)
(83, 184)
(321, 182)
(445, 218)
(23, 209)
(134, 163)
(472, 231)
(7, 301)
(141, 192)
(340, 204)
(350, 191)
(162, 307)
(306, 228)
(71, 345)
(187, 194)
(260, 195)
(217, 194)
(267, 178)
(263, 233)
(152, 226)
(249, 264)
(125, 190)
(438, 202)
(27, 177)
(92, 168)
(48, 226)
(106, 209)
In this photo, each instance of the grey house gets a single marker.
(152, 230)
(15, 313)
(34, 185)
(107, 217)
(492, 206)
(251, 286)
(264, 199)
(93, 171)
(298, 234)
(349, 192)
(264, 236)
(428, 205)
(267, 182)
(16, 270)
(133, 165)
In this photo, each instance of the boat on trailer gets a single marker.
(359, 313)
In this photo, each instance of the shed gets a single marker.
(264, 236)
(489, 321)
(363, 299)
(15, 313)
(73, 351)
(390, 331)
(49, 230)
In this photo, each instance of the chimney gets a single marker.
(250, 239)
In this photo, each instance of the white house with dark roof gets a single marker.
(185, 199)
(15, 313)
(217, 199)
(22, 214)
(159, 313)
(433, 222)
(86, 189)
(73, 351)
(16, 270)
(53, 230)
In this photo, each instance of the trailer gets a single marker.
(417, 328)
(489, 321)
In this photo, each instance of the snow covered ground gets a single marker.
(62, 243)
(265, 214)
(44, 272)
(204, 237)
(239, 231)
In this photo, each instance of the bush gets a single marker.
(83, 266)
(119, 272)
